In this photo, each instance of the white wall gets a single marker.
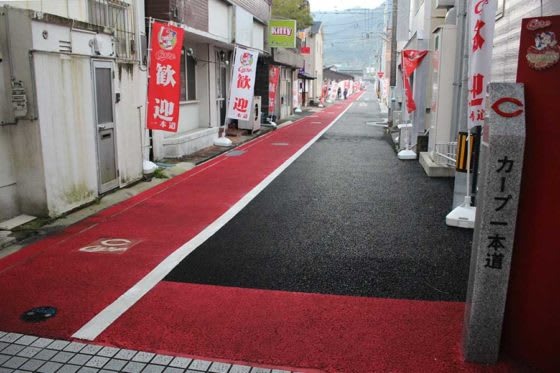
(243, 27)
(195, 117)
(219, 19)
(258, 35)
(67, 130)
(130, 82)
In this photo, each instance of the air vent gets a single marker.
(65, 46)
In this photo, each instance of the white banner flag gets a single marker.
(242, 85)
(482, 15)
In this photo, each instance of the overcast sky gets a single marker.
(328, 5)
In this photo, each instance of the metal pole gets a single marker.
(150, 132)
(393, 77)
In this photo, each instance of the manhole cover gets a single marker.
(38, 314)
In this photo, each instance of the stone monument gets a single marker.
(501, 164)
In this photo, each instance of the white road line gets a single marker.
(93, 328)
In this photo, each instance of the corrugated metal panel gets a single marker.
(506, 36)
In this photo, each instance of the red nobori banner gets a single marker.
(411, 59)
(273, 76)
(164, 86)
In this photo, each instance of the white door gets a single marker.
(105, 125)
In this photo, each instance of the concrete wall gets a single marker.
(259, 8)
(53, 157)
(73, 9)
(9, 204)
(130, 82)
(29, 168)
(68, 134)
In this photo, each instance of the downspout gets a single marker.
(460, 93)
(393, 77)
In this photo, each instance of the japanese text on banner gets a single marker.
(164, 85)
(242, 84)
(273, 76)
(482, 15)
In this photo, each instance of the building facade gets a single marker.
(212, 30)
(72, 88)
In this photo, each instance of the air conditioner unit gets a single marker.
(254, 123)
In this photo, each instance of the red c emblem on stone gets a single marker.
(511, 100)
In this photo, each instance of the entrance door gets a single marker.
(105, 125)
(221, 89)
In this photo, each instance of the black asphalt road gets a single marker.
(346, 218)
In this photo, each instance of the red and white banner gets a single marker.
(482, 15)
(273, 76)
(411, 59)
(242, 85)
(164, 86)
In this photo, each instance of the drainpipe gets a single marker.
(460, 93)
(393, 77)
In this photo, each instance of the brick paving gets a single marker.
(26, 353)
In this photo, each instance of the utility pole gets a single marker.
(393, 77)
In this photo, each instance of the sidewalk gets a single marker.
(20, 236)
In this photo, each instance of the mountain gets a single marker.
(353, 37)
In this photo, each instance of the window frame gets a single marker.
(187, 77)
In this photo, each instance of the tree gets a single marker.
(293, 9)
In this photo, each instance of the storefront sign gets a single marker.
(273, 77)
(242, 85)
(282, 33)
(482, 15)
(411, 59)
(164, 86)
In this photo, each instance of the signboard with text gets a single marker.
(164, 86)
(482, 14)
(282, 33)
(242, 86)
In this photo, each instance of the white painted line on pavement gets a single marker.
(93, 328)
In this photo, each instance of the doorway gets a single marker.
(105, 125)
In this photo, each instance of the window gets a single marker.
(116, 15)
(500, 9)
(188, 77)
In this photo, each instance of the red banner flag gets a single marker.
(411, 59)
(164, 86)
(273, 76)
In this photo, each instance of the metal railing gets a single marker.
(445, 154)
(118, 17)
